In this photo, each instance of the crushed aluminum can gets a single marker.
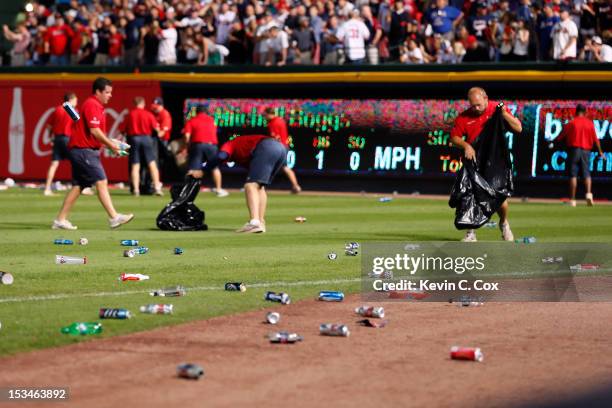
(332, 256)
(273, 317)
(378, 324)
(466, 353)
(235, 287)
(169, 292)
(178, 251)
(351, 252)
(332, 329)
(381, 275)
(411, 247)
(129, 253)
(83, 241)
(352, 245)
(300, 219)
(189, 371)
(281, 297)
(585, 267)
(370, 311)
(133, 277)
(284, 338)
(6, 278)
(331, 296)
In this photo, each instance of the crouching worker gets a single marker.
(263, 157)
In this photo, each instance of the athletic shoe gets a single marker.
(48, 193)
(67, 225)
(251, 228)
(136, 193)
(470, 236)
(507, 234)
(87, 191)
(158, 191)
(572, 203)
(120, 219)
(589, 199)
(221, 193)
(296, 189)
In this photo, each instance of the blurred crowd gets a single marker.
(283, 32)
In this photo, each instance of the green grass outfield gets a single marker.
(290, 256)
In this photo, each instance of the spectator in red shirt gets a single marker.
(115, 46)
(469, 124)
(200, 134)
(580, 136)
(60, 126)
(139, 126)
(88, 135)
(56, 41)
(81, 36)
(264, 157)
(277, 128)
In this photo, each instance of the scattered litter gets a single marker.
(169, 292)
(128, 253)
(466, 353)
(525, 240)
(281, 297)
(178, 251)
(129, 242)
(381, 275)
(370, 311)
(411, 247)
(332, 256)
(70, 260)
(133, 277)
(82, 328)
(9, 182)
(63, 242)
(407, 294)
(284, 338)
(551, 259)
(235, 286)
(332, 329)
(273, 317)
(109, 313)
(157, 309)
(378, 324)
(83, 241)
(189, 371)
(466, 301)
(331, 296)
(6, 278)
(300, 219)
(491, 224)
(585, 267)
(385, 199)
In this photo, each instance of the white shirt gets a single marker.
(224, 25)
(606, 53)
(353, 34)
(192, 22)
(280, 42)
(167, 45)
(561, 34)
(416, 53)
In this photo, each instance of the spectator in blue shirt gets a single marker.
(478, 23)
(444, 18)
(547, 21)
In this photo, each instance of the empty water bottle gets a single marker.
(129, 242)
(63, 242)
(526, 240)
(82, 329)
(156, 309)
(491, 224)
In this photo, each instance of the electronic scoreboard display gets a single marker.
(404, 138)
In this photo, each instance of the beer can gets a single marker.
(108, 313)
(466, 353)
(585, 267)
(300, 219)
(235, 286)
(351, 252)
(284, 338)
(331, 296)
(6, 278)
(273, 317)
(370, 311)
(178, 251)
(189, 371)
(157, 309)
(129, 253)
(169, 292)
(331, 329)
(281, 297)
(332, 256)
(129, 242)
(351, 245)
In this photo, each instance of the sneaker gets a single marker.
(296, 189)
(251, 228)
(507, 234)
(589, 199)
(67, 225)
(48, 193)
(120, 219)
(470, 236)
(87, 191)
(572, 203)
(158, 191)
(221, 193)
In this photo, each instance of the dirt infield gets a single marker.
(534, 352)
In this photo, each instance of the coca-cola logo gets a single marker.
(42, 137)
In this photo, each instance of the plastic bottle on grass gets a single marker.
(82, 328)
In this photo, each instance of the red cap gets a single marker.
(471, 40)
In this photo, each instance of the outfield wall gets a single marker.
(380, 127)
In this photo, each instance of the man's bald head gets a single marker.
(478, 99)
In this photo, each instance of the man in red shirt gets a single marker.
(60, 126)
(164, 119)
(115, 46)
(201, 136)
(88, 135)
(264, 157)
(56, 41)
(469, 124)
(580, 136)
(139, 126)
(277, 129)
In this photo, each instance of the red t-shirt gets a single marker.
(139, 122)
(165, 122)
(115, 42)
(241, 148)
(58, 39)
(61, 123)
(202, 129)
(278, 130)
(580, 132)
(470, 124)
(77, 40)
(92, 117)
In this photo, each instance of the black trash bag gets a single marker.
(182, 214)
(483, 185)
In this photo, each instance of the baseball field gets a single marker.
(132, 362)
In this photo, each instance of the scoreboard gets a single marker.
(404, 138)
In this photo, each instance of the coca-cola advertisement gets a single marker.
(26, 143)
